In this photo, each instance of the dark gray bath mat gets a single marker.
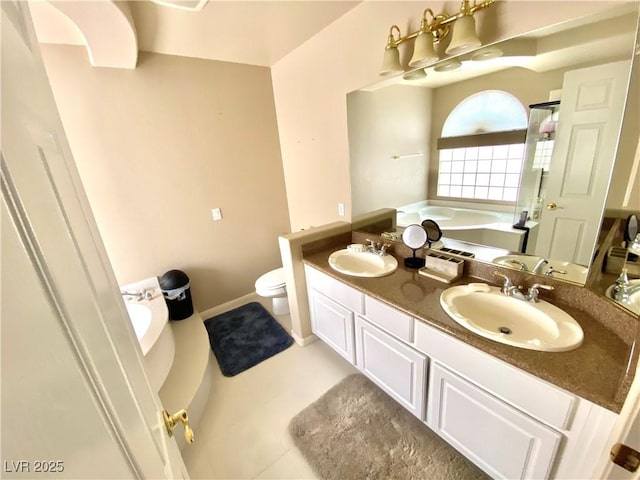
(245, 336)
(356, 431)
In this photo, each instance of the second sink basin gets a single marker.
(484, 310)
(563, 270)
(362, 264)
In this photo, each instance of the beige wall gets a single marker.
(311, 83)
(383, 123)
(158, 147)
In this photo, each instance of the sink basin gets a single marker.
(484, 310)
(574, 273)
(362, 264)
(633, 303)
(140, 316)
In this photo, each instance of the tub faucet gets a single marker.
(537, 268)
(145, 294)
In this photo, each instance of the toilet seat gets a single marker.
(274, 286)
(271, 283)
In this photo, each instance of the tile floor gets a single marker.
(243, 431)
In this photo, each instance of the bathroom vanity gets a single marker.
(513, 412)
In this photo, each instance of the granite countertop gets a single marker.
(600, 370)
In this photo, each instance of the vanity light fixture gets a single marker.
(418, 74)
(433, 28)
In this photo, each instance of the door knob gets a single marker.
(171, 421)
(552, 206)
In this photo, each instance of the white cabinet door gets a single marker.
(333, 323)
(393, 366)
(502, 441)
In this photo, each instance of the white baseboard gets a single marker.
(213, 311)
(303, 342)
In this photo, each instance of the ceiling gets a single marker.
(249, 32)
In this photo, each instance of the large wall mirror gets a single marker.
(557, 203)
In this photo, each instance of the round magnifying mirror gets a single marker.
(414, 237)
(433, 231)
(631, 229)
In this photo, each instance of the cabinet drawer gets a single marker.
(332, 288)
(393, 366)
(333, 323)
(389, 319)
(519, 388)
(502, 441)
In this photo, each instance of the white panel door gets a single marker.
(74, 392)
(591, 111)
(501, 440)
(393, 366)
(333, 323)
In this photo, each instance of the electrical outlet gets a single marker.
(341, 209)
(216, 213)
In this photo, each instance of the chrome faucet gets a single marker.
(373, 248)
(508, 288)
(623, 288)
(539, 264)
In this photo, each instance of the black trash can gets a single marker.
(177, 294)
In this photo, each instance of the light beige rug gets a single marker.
(356, 431)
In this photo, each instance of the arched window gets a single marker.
(482, 148)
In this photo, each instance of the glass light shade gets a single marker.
(449, 66)
(486, 54)
(423, 52)
(415, 75)
(390, 61)
(464, 36)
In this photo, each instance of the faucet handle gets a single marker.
(534, 291)
(383, 249)
(507, 281)
(551, 272)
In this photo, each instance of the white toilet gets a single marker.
(272, 285)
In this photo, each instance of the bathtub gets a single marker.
(451, 218)
(482, 227)
(150, 320)
(459, 218)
